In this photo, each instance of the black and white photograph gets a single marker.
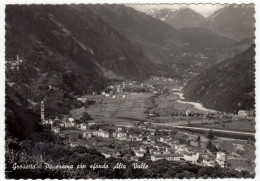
(130, 91)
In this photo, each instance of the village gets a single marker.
(142, 139)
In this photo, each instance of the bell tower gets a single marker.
(42, 111)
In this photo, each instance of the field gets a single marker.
(118, 110)
(238, 125)
(243, 153)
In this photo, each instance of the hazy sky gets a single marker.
(203, 9)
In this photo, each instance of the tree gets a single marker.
(211, 147)
(210, 135)
(198, 140)
(188, 142)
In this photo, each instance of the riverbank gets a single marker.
(195, 104)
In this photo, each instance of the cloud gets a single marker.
(203, 9)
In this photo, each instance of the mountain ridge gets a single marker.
(226, 86)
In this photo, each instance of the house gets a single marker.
(119, 134)
(221, 159)
(74, 144)
(87, 134)
(168, 157)
(94, 123)
(168, 150)
(135, 158)
(191, 157)
(143, 149)
(142, 127)
(62, 124)
(55, 129)
(62, 135)
(48, 121)
(187, 112)
(106, 154)
(165, 139)
(119, 129)
(138, 153)
(101, 133)
(68, 124)
(83, 126)
(117, 154)
(207, 162)
(156, 157)
(151, 151)
(71, 119)
(243, 113)
(122, 138)
(174, 157)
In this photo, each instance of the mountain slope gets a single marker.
(80, 37)
(163, 45)
(235, 21)
(180, 18)
(65, 52)
(227, 86)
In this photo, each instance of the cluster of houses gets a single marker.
(14, 64)
(149, 143)
(58, 124)
(157, 147)
(168, 148)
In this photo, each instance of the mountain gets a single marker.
(178, 18)
(235, 21)
(65, 51)
(171, 50)
(77, 36)
(227, 86)
(144, 31)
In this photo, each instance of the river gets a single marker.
(195, 104)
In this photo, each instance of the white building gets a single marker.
(83, 126)
(87, 134)
(56, 129)
(138, 153)
(168, 157)
(187, 112)
(191, 157)
(242, 113)
(101, 133)
(221, 159)
(68, 124)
